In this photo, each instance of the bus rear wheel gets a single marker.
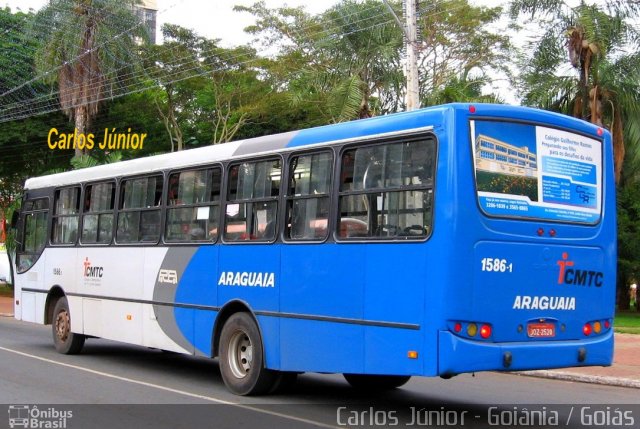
(242, 357)
(65, 341)
(376, 382)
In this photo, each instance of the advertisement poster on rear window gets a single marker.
(530, 171)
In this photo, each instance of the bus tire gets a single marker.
(65, 341)
(242, 357)
(376, 382)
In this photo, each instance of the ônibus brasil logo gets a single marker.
(28, 416)
(574, 276)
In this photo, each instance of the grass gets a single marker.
(6, 290)
(627, 322)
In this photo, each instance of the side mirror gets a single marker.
(14, 219)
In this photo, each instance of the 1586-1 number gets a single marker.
(497, 265)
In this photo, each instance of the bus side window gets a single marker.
(66, 215)
(139, 214)
(386, 190)
(308, 196)
(97, 217)
(194, 205)
(252, 201)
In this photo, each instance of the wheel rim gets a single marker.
(63, 325)
(240, 354)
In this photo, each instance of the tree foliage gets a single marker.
(586, 63)
(23, 143)
(628, 243)
(88, 50)
(342, 64)
(459, 53)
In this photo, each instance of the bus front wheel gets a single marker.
(242, 357)
(65, 341)
(376, 382)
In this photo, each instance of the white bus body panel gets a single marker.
(31, 308)
(90, 277)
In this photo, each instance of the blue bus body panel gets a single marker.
(362, 307)
(359, 297)
(372, 126)
(197, 287)
(458, 355)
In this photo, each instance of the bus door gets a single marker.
(31, 240)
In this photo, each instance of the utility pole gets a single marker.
(411, 36)
(411, 39)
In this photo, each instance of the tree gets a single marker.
(15, 57)
(207, 93)
(347, 62)
(176, 68)
(88, 45)
(461, 91)
(234, 95)
(458, 53)
(628, 243)
(23, 142)
(586, 64)
(343, 64)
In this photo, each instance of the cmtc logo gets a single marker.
(574, 276)
(92, 272)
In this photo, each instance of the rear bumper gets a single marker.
(457, 355)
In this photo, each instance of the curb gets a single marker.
(583, 378)
(6, 314)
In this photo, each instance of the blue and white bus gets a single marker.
(451, 239)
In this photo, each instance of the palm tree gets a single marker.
(87, 45)
(461, 90)
(459, 52)
(362, 46)
(342, 64)
(581, 66)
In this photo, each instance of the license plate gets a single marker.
(541, 330)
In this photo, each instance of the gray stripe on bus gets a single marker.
(265, 144)
(176, 259)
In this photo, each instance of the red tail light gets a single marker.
(586, 329)
(485, 331)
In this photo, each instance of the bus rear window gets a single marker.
(537, 172)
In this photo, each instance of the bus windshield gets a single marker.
(530, 171)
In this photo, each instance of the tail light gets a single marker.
(596, 327)
(485, 331)
(471, 330)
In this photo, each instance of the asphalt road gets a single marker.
(120, 386)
